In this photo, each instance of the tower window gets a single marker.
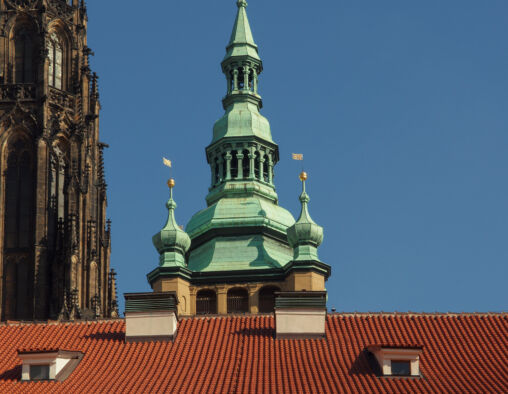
(245, 163)
(55, 53)
(238, 301)
(256, 166)
(216, 174)
(206, 302)
(23, 71)
(234, 165)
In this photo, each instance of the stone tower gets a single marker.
(54, 236)
(243, 246)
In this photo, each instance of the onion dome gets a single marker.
(171, 242)
(305, 236)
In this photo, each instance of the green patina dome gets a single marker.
(242, 119)
(171, 242)
(305, 235)
(240, 212)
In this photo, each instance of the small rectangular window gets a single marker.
(401, 368)
(39, 372)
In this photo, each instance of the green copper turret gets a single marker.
(171, 242)
(305, 236)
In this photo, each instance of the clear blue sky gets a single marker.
(400, 108)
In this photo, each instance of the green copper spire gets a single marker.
(243, 228)
(305, 235)
(171, 242)
(241, 42)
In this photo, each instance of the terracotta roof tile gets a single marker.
(460, 353)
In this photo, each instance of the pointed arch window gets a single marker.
(18, 229)
(18, 198)
(23, 53)
(55, 54)
(57, 200)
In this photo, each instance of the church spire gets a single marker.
(242, 42)
(242, 64)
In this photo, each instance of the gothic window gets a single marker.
(206, 302)
(16, 289)
(18, 198)
(55, 53)
(238, 300)
(57, 198)
(23, 62)
(17, 230)
(267, 299)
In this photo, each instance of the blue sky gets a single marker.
(400, 108)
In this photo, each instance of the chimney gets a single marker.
(300, 314)
(150, 316)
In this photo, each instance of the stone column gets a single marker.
(192, 300)
(255, 80)
(222, 300)
(270, 169)
(239, 156)
(252, 156)
(253, 298)
(228, 165)
(235, 79)
(246, 77)
(261, 165)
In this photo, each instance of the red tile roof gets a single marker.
(462, 353)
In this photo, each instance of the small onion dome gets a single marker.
(172, 242)
(305, 235)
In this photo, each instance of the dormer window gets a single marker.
(401, 368)
(39, 372)
(397, 361)
(48, 364)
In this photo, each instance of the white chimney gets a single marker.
(300, 314)
(150, 316)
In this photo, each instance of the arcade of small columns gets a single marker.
(242, 77)
(243, 162)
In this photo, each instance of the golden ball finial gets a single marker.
(303, 176)
(171, 183)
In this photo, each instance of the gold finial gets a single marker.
(303, 176)
(171, 183)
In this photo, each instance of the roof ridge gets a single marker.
(16, 323)
(409, 313)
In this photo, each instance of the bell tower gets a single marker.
(54, 235)
(243, 247)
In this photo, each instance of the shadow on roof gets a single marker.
(12, 374)
(365, 364)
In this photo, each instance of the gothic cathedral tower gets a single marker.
(54, 236)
